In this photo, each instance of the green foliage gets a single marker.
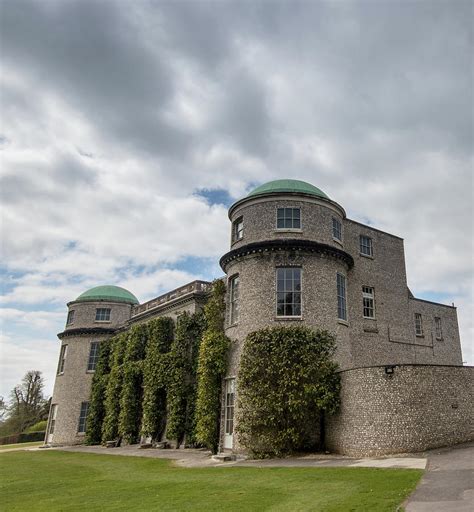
(38, 427)
(96, 412)
(110, 425)
(155, 377)
(286, 378)
(182, 382)
(131, 393)
(27, 405)
(212, 365)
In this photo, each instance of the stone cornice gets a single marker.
(286, 245)
(86, 331)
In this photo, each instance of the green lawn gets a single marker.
(54, 480)
(20, 445)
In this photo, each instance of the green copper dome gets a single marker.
(109, 293)
(288, 186)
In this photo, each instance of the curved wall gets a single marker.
(413, 409)
(257, 300)
(73, 385)
(84, 314)
(260, 214)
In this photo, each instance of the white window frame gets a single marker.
(62, 359)
(52, 421)
(82, 422)
(103, 314)
(293, 291)
(366, 246)
(234, 293)
(94, 351)
(419, 324)
(290, 218)
(368, 301)
(337, 229)
(238, 229)
(341, 287)
(229, 411)
(438, 328)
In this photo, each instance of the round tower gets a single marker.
(286, 266)
(94, 316)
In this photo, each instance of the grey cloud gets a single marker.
(369, 100)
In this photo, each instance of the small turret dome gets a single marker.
(288, 186)
(108, 293)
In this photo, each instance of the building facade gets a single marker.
(295, 258)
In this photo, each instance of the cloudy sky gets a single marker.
(128, 127)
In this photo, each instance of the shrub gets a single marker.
(212, 365)
(37, 427)
(286, 379)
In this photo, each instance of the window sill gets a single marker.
(343, 322)
(371, 330)
(370, 318)
(90, 371)
(289, 318)
(366, 256)
(103, 321)
(439, 339)
(235, 324)
(337, 241)
(288, 230)
(237, 241)
(420, 335)
(81, 434)
(59, 374)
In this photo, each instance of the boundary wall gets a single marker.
(402, 408)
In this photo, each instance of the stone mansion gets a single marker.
(295, 258)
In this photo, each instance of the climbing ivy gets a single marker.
(155, 377)
(96, 412)
(182, 382)
(132, 391)
(110, 425)
(286, 379)
(212, 364)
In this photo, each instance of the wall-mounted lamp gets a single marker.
(389, 370)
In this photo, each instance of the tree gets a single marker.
(287, 379)
(27, 404)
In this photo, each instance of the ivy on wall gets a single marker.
(110, 426)
(99, 385)
(132, 389)
(155, 377)
(287, 378)
(182, 382)
(212, 365)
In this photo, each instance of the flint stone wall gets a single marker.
(416, 408)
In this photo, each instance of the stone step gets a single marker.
(224, 457)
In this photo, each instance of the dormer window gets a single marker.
(288, 218)
(238, 229)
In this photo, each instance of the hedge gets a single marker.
(23, 438)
